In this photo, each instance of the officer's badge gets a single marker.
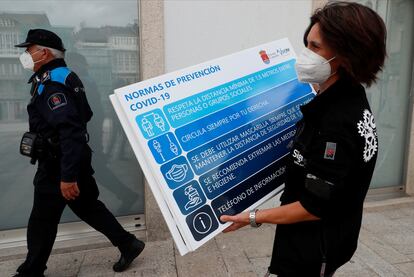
(56, 101)
(45, 77)
(330, 151)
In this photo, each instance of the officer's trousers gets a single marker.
(47, 209)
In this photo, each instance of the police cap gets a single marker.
(44, 38)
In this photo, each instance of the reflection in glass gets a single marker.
(103, 51)
(389, 98)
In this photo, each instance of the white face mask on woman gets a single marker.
(27, 60)
(312, 68)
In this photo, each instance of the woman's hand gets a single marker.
(239, 221)
(286, 214)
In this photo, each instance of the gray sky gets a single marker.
(93, 13)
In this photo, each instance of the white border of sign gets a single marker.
(179, 241)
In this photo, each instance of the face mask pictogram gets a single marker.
(177, 173)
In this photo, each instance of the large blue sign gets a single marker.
(213, 139)
(226, 147)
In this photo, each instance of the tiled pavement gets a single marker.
(386, 248)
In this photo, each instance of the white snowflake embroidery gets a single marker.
(367, 129)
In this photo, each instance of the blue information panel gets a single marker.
(213, 139)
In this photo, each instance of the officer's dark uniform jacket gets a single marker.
(329, 172)
(59, 111)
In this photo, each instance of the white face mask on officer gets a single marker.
(27, 60)
(313, 68)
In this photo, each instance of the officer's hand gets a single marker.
(239, 221)
(69, 190)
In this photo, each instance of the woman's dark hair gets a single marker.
(357, 34)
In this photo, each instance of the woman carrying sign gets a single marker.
(335, 148)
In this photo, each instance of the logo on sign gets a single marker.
(264, 56)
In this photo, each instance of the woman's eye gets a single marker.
(314, 46)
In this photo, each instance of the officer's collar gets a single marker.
(330, 97)
(46, 67)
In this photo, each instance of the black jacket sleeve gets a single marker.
(328, 163)
(60, 111)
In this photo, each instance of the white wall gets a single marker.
(200, 30)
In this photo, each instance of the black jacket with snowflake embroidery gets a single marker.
(330, 168)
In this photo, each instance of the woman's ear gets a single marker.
(342, 65)
(336, 64)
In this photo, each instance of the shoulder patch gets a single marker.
(330, 151)
(56, 101)
(367, 130)
(59, 74)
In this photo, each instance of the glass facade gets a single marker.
(101, 38)
(390, 97)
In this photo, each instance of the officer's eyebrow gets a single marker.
(31, 49)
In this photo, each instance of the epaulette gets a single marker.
(58, 75)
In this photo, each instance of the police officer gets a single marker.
(335, 147)
(58, 141)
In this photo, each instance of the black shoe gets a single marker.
(24, 271)
(128, 254)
